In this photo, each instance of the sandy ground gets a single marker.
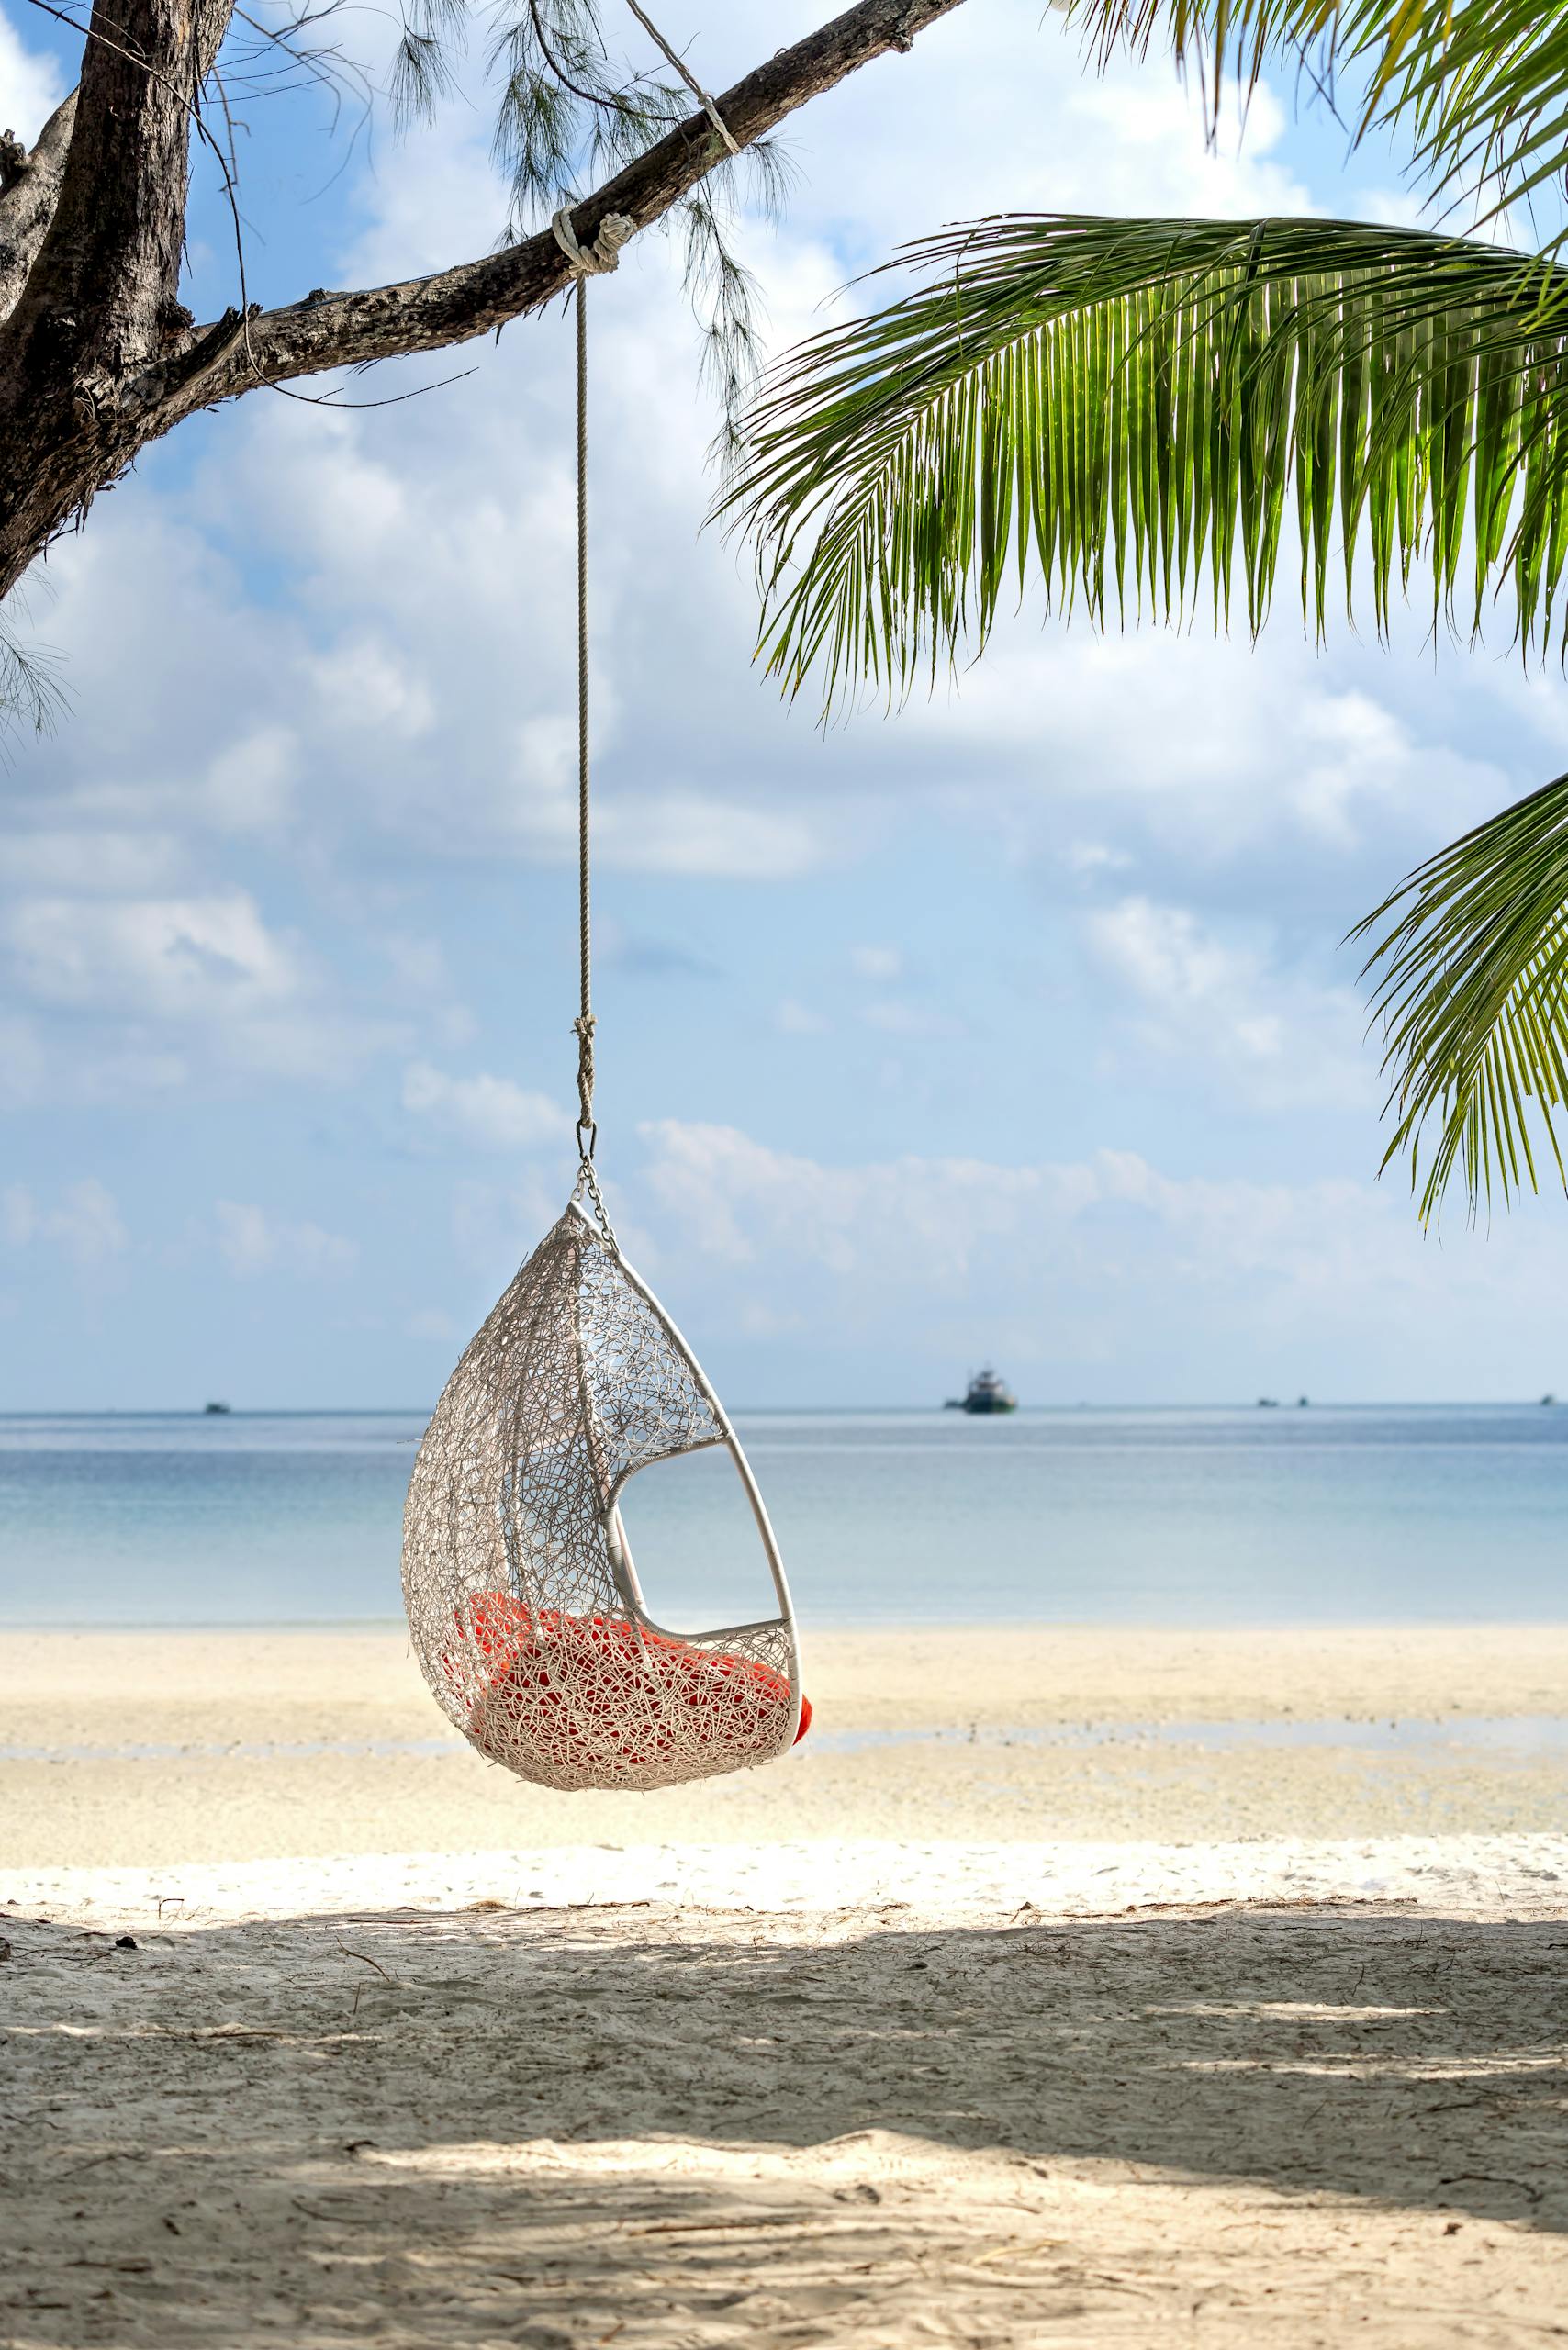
(147, 1748)
(662, 2119)
(872, 2048)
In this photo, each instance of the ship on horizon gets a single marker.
(987, 1391)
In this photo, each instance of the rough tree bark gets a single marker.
(96, 355)
(30, 190)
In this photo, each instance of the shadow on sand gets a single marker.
(608, 2124)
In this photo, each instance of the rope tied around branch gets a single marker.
(687, 75)
(603, 253)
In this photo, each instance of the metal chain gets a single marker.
(587, 1187)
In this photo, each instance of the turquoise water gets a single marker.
(1429, 1514)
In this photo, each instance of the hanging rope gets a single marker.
(692, 83)
(592, 260)
(587, 261)
(587, 1130)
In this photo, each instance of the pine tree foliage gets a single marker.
(572, 110)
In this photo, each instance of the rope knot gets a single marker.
(582, 1029)
(604, 252)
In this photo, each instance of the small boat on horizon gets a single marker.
(987, 1391)
(216, 1407)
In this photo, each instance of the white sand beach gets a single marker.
(1066, 1987)
(148, 1747)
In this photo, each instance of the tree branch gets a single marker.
(454, 305)
(27, 208)
(96, 358)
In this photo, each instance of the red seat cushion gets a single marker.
(593, 1692)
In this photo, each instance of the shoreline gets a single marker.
(1457, 1875)
(1019, 1670)
(830, 1628)
(155, 1750)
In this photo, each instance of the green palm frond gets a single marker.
(1120, 409)
(1479, 89)
(1471, 988)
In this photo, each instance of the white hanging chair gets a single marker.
(523, 1601)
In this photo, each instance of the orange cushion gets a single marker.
(581, 1682)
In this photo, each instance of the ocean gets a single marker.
(1338, 1514)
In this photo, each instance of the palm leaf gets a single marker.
(1479, 89)
(1471, 988)
(1123, 410)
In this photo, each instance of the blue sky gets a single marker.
(1016, 1025)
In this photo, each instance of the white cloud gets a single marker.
(418, 964)
(252, 1242)
(495, 1227)
(31, 86)
(884, 963)
(1164, 955)
(34, 1072)
(23, 1063)
(169, 958)
(685, 832)
(1101, 1273)
(792, 1019)
(1247, 770)
(19, 1217)
(1145, 119)
(85, 860)
(250, 786)
(1004, 100)
(487, 1112)
(173, 986)
(85, 1225)
(1199, 1000)
(1356, 755)
(1085, 857)
(742, 1199)
(898, 1016)
(362, 686)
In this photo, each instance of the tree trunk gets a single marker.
(96, 355)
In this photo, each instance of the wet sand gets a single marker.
(132, 1748)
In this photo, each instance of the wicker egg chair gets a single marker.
(523, 1602)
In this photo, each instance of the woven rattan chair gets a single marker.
(523, 1602)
